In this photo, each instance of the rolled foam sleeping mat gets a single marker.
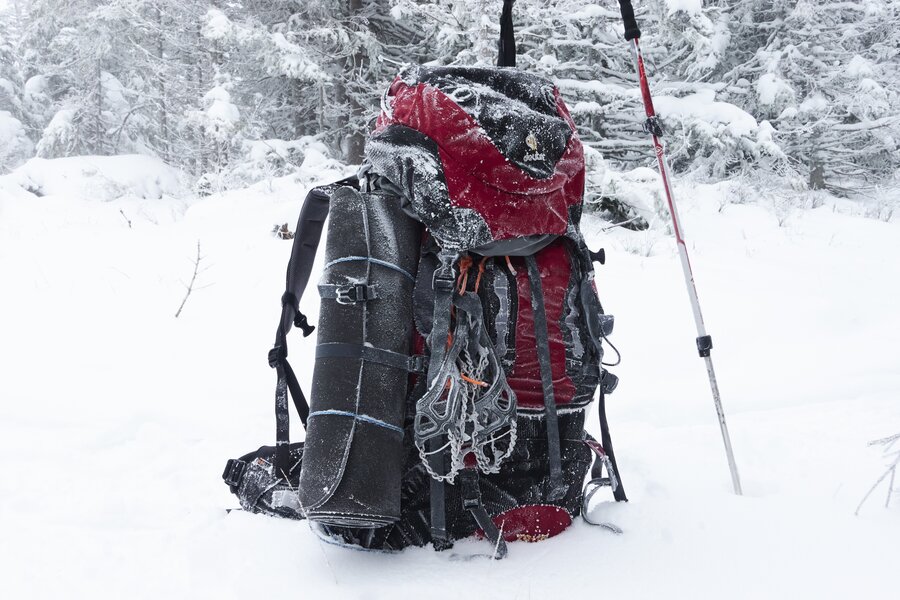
(353, 452)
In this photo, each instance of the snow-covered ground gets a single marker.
(116, 417)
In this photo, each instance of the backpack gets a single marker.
(460, 338)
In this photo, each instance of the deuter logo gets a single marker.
(532, 143)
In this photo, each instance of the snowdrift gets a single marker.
(116, 418)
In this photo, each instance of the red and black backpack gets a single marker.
(460, 338)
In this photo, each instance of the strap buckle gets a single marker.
(417, 363)
(608, 382)
(471, 493)
(444, 277)
(353, 294)
(276, 356)
(607, 323)
(234, 472)
(443, 281)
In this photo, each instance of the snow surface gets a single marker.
(96, 178)
(116, 418)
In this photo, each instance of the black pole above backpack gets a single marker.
(506, 55)
(631, 27)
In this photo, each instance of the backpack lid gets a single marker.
(482, 154)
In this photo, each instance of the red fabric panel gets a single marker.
(511, 215)
(525, 379)
(479, 177)
(531, 523)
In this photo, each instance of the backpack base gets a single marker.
(516, 498)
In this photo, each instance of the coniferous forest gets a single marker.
(806, 91)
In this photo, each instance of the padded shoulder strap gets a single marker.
(307, 236)
(306, 243)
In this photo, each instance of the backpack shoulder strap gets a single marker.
(307, 236)
(306, 243)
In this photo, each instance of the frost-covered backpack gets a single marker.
(460, 337)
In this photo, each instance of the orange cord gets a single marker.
(462, 281)
(465, 263)
(480, 272)
(473, 381)
(509, 264)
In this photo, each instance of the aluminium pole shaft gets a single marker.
(653, 127)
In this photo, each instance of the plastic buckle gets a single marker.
(353, 294)
(471, 494)
(443, 281)
(417, 363)
(276, 356)
(608, 382)
(234, 472)
(607, 322)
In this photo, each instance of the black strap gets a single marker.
(506, 55)
(282, 422)
(413, 364)
(471, 499)
(296, 394)
(443, 286)
(307, 236)
(557, 485)
(606, 441)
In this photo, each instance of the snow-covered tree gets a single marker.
(10, 71)
(74, 48)
(15, 144)
(825, 73)
(775, 85)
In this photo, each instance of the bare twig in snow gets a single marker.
(885, 441)
(889, 473)
(190, 286)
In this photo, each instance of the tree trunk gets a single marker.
(98, 124)
(354, 139)
(163, 109)
(200, 159)
(817, 176)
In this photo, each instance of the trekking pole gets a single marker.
(653, 126)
